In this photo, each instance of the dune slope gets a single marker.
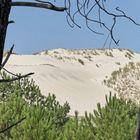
(76, 76)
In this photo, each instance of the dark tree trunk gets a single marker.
(5, 7)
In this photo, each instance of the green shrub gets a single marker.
(129, 55)
(45, 117)
(81, 61)
(77, 129)
(116, 121)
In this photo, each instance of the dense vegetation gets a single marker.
(46, 119)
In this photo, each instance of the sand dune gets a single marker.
(75, 76)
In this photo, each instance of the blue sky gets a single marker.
(36, 30)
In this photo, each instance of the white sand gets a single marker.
(59, 72)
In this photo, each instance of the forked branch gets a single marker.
(88, 8)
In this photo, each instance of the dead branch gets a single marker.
(15, 124)
(40, 4)
(7, 58)
(16, 78)
(87, 8)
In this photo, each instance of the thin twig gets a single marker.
(86, 7)
(16, 78)
(115, 16)
(10, 72)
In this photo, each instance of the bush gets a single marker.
(116, 121)
(78, 129)
(81, 61)
(45, 117)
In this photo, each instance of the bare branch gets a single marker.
(10, 72)
(9, 127)
(87, 8)
(124, 15)
(16, 78)
(69, 17)
(7, 57)
(11, 21)
(115, 16)
(46, 5)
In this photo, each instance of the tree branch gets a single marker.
(9, 127)
(7, 58)
(16, 78)
(46, 5)
(86, 8)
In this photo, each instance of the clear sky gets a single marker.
(36, 30)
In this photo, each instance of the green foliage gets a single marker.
(81, 61)
(45, 117)
(115, 121)
(109, 53)
(77, 129)
(129, 54)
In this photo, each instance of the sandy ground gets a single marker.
(59, 72)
